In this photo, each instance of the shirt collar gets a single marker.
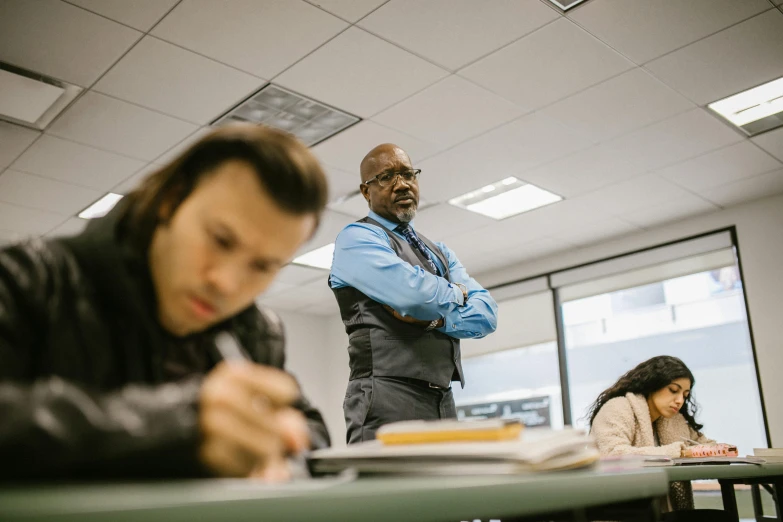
(391, 225)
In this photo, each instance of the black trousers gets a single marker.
(371, 402)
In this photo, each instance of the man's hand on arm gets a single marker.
(247, 423)
(412, 320)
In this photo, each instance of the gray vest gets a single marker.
(384, 346)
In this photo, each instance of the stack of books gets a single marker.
(446, 447)
(770, 455)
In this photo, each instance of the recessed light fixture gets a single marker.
(31, 99)
(308, 120)
(101, 207)
(756, 110)
(505, 198)
(318, 258)
(565, 5)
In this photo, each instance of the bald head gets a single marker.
(382, 157)
(396, 198)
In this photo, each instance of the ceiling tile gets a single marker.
(139, 14)
(28, 190)
(554, 62)
(534, 249)
(131, 182)
(640, 192)
(347, 149)
(596, 232)
(771, 141)
(583, 171)
(748, 189)
(175, 151)
(117, 126)
(664, 143)
(509, 150)
(738, 58)
(297, 275)
(438, 222)
(171, 80)
(27, 221)
(475, 247)
(722, 166)
(262, 37)
(331, 225)
(624, 103)
(453, 33)
(669, 211)
(341, 183)
(13, 141)
(77, 164)
(360, 73)
(61, 40)
(71, 227)
(449, 112)
(646, 30)
(560, 217)
(351, 10)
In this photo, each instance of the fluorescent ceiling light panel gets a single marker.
(310, 121)
(30, 99)
(756, 110)
(505, 198)
(318, 258)
(101, 207)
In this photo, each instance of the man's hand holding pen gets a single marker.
(247, 423)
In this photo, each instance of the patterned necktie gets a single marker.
(417, 245)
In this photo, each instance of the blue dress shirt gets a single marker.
(365, 260)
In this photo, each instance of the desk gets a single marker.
(731, 474)
(376, 499)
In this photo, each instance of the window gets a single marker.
(692, 308)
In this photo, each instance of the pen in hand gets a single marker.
(228, 348)
(230, 351)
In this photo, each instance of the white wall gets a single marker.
(318, 357)
(760, 236)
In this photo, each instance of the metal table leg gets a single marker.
(729, 499)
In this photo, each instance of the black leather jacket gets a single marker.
(84, 392)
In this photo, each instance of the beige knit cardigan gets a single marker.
(623, 427)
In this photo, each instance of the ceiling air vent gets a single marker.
(308, 120)
(565, 5)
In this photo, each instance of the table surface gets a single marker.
(379, 499)
(722, 471)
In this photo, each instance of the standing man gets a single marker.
(405, 303)
(109, 365)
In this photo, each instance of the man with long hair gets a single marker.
(108, 361)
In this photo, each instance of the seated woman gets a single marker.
(649, 411)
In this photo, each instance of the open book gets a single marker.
(534, 450)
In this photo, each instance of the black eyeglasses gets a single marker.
(389, 178)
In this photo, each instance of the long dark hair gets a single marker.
(646, 379)
(283, 165)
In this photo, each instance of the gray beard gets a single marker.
(406, 216)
